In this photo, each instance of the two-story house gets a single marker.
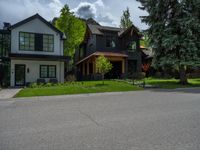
(121, 47)
(35, 53)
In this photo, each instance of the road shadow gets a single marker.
(195, 90)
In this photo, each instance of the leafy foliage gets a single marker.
(145, 41)
(74, 29)
(174, 33)
(103, 65)
(125, 19)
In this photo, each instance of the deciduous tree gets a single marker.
(74, 29)
(103, 66)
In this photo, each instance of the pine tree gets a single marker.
(125, 19)
(174, 33)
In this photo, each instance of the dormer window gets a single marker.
(132, 46)
(110, 41)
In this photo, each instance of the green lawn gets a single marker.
(78, 88)
(172, 83)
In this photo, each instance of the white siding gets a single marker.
(36, 26)
(34, 70)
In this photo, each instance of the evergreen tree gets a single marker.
(174, 33)
(125, 19)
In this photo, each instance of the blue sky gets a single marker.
(106, 12)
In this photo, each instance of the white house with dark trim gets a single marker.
(36, 52)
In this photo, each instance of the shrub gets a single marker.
(158, 75)
(33, 85)
(70, 78)
(138, 76)
(48, 84)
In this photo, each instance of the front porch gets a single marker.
(86, 68)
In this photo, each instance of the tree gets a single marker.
(74, 29)
(174, 33)
(125, 19)
(103, 66)
(145, 40)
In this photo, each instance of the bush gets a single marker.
(158, 75)
(33, 85)
(138, 76)
(48, 84)
(70, 78)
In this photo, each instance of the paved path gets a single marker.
(8, 93)
(142, 120)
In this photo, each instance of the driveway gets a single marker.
(142, 120)
(8, 93)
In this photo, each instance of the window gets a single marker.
(26, 41)
(48, 43)
(36, 42)
(132, 46)
(47, 71)
(4, 44)
(110, 41)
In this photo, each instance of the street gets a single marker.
(141, 120)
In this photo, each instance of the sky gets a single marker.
(106, 12)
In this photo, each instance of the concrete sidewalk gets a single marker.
(8, 93)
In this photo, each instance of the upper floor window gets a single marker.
(36, 42)
(4, 44)
(132, 46)
(48, 43)
(110, 41)
(26, 41)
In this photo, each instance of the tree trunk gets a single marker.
(103, 78)
(183, 76)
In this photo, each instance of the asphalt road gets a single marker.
(144, 120)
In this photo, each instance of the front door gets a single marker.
(20, 75)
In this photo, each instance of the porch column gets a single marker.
(83, 66)
(94, 66)
(88, 71)
(123, 66)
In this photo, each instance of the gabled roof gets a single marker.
(131, 28)
(41, 19)
(97, 29)
(106, 54)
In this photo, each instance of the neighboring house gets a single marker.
(147, 55)
(35, 52)
(121, 47)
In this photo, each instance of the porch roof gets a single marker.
(106, 54)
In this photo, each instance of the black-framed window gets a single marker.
(26, 41)
(48, 43)
(132, 46)
(36, 42)
(47, 71)
(110, 41)
(4, 44)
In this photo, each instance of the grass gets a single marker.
(78, 88)
(172, 83)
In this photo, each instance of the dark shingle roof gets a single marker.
(97, 29)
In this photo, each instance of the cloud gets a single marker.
(85, 10)
(93, 10)
(14, 11)
(106, 12)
